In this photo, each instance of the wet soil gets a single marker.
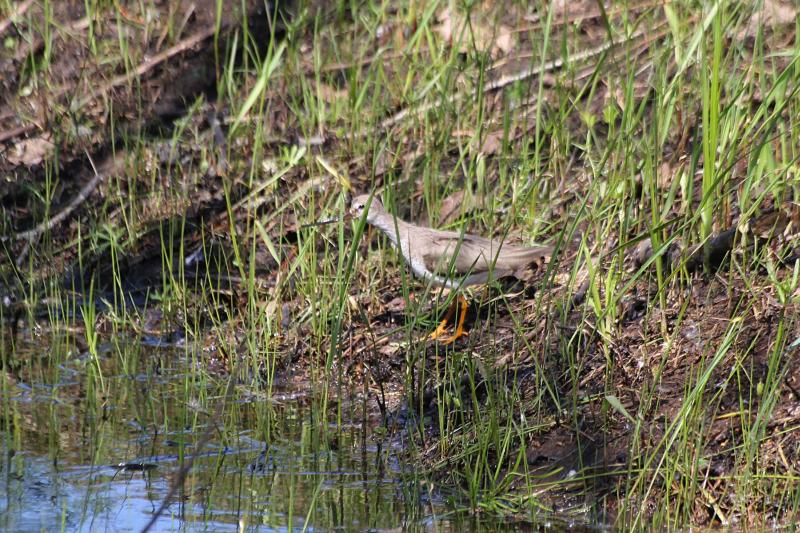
(83, 105)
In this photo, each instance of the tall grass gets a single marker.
(680, 127)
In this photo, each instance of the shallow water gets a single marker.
(94, 443)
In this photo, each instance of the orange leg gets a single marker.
(462, 315)
(441, 329)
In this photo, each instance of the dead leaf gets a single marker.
(451, 207)
(570, 9)
(31, 152)
(445, 26)
(396, 305)
(452, 27)
(773, 13)
(504, 39)
(668, 173)
(330, 94)
(493, 142)
(389, 349)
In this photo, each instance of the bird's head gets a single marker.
(361, 203)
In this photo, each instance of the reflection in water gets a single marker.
(96, 450)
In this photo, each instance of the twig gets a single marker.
(503, 82)
(128, 15)
(21, 9)
(220, 141)
(16, 132)
(82, 195)
(572, 18)
(23, 254)
(180, 476)
(496, 84)
(383, 57)
(150, 63)
(123, 78)
(21, 54)
(38, 42)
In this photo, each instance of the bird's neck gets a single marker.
(392, 227)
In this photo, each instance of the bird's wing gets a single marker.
(473, 254)
(478, 255)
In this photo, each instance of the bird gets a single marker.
(448, 258)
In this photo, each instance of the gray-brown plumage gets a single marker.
(430, 252)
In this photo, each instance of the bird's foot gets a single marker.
(441, 329)
(460, 332)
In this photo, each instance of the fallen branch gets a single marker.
(502, 82)
(16, 132)
(38, 43)
(151, 63)
(9, 20)
(183, 472)
(82, 195)
(118, 80)
(383, 57)
(576, 18)
(491, 86)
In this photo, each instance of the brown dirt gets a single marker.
(375, 349)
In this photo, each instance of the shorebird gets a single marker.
(447, 258)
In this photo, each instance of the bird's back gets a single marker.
(451, 258)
